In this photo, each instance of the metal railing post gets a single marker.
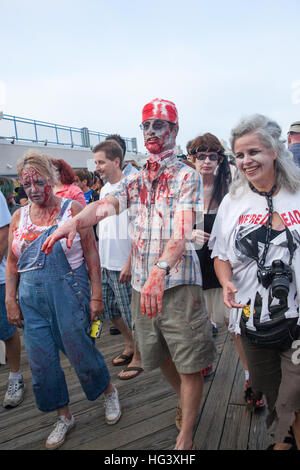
(85, 137)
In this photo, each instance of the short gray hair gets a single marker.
(287, 173)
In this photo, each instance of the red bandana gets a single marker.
(160, 109)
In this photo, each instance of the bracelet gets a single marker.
(100, 300)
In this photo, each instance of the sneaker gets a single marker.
(57, 437)
(207, 371)
(112, 407)
(14, 394)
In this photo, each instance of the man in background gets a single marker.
(115, 258)
(294, 141)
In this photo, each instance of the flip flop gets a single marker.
(137, 370)
(126, 359)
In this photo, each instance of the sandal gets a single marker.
(252, 401)
(126, 359)
(137, 371)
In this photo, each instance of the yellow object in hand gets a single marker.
(96, 329)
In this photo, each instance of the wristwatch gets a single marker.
(163, 265)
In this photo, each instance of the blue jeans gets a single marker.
(54, 301)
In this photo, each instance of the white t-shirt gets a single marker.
(114, 240)
(5, 218)
(238, 232)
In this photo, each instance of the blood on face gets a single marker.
(36, 186)
(159, 135)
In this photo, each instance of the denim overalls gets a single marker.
(54, 300)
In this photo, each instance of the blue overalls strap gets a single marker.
(32, 257)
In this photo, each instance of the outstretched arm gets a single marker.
(153, 290)
(90, 216)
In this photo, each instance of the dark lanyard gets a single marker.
(291, 245)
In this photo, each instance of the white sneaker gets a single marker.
(112, 407)
(14, 394)
(58, 435)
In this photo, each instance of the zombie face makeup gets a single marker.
(206, 162)
(160, 125)
(159, 135)
(36, 186)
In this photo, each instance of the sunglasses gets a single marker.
(156, 125)
(213, 157)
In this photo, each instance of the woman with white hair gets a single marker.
(256, 248)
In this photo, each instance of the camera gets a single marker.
(278, 276)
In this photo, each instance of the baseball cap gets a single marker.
(295, 127)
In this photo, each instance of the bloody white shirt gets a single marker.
(152, 207)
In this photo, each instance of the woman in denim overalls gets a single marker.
(59, 296)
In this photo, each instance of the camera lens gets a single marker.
(280, 287)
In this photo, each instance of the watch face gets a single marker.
(163, 264)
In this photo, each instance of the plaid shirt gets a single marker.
(152, 209)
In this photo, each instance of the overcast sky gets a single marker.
(96, 63)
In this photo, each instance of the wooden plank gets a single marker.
(148, 405)
(210, 426)
(259, 438)
(238, 389)
(237, 419)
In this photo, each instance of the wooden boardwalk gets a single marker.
(148, 405)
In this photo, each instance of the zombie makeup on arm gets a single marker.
(153, 290)
(88, 217)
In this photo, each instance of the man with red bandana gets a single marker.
(171, 326)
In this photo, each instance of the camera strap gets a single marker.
(268, 196)
(291, 244)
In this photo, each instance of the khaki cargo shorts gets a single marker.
(183, 331)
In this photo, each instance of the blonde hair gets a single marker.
(39, 161)
(287, 173)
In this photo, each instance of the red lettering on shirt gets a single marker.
(285, 219)
(297, 216)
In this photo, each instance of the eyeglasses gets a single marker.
(156, 125)
(213, 157)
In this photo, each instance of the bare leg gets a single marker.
(188, 388)
(191, 394)
(65, 411)
(239, 347)
(136, 361)
(126, 333)
(13, 352)
(240, 350)
(171, 375)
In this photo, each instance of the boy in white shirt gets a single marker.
(114, 252)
